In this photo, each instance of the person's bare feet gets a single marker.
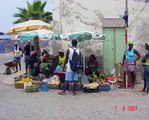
(62, 93)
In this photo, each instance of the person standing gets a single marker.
(27, 50)
(37, 46)
(130, 57)
(145, 61)
(70, 76)
(17, 55)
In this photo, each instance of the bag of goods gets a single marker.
(32, 88)
(91, 85)
(54, 82)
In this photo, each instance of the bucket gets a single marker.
(45, 87)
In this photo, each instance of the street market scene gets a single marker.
(74, 59)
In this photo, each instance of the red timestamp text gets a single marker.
(130, 108)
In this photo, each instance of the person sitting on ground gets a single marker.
(46, 55)
(92, 66)
(17, 55)
(62, 57)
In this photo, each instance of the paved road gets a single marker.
(6, 57)
(119, 104)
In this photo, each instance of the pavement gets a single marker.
(118, 104)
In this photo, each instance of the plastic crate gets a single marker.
(53, 86)
(104, 88)
(19, 86)
(86, 90)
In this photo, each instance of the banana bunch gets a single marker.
(93, 85)
(19, 82)
(24, 80)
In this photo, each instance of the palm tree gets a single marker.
(34, 11)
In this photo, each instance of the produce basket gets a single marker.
(51, 86)
(32, 88)
(19, 86)
(88, 90)
(37, 83)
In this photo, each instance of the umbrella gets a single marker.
(82, 36)
(42, 34)
(30, 25)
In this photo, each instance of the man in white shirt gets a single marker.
(70, 76)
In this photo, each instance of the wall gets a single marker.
(79, 15)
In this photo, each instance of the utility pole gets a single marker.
(125, 17)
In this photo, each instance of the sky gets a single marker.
(8, 8)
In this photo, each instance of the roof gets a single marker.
(113, 22)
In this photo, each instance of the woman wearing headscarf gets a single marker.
(129, 61)
(92, 66)
(145, 61)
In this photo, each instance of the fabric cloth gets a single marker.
(71, 76)
(146, 75)
(129, 66)
(129, 63)
(71, 50)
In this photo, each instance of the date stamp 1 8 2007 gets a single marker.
(131, 108)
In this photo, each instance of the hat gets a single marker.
(130, 42)
(15, 43)
(147, 43)
(61, 50)
(46, 49)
